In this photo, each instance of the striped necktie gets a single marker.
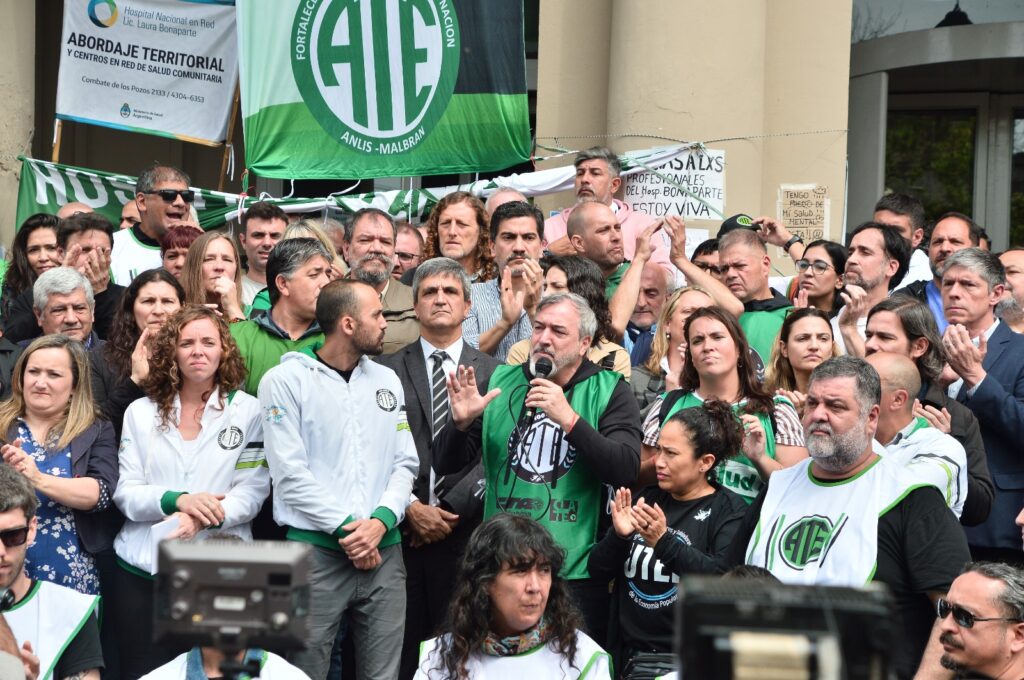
(439, 392)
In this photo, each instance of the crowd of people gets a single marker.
(506, 438)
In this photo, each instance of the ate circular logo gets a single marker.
(806, 540)
(230, 438)
(377, 76)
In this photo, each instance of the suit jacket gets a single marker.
(998, 403)
(408, 363)
(403, 326)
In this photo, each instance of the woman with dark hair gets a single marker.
(174, 247)
(575, 274)
(213, 275)
(121, 365)
(682, 525)
(33, 251)
(805, 340)
(820, 277)
(191, 463)
(511, 615)
(718, 366)
(458, 228)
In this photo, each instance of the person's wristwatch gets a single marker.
(789, 244)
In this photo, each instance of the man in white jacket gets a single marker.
(343, 462)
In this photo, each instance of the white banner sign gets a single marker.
(695, 188)
(161, 67)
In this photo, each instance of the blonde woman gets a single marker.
(212, 275)
(68, 455)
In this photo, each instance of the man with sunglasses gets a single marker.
(163, 198)
(981, 622)
(58, 624)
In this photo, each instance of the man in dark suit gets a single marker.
(445, 508)
(988, 360)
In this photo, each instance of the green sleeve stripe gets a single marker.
(248, 464)
(169, 501)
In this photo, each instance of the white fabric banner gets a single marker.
(161, 67)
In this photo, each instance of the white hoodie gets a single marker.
(227, 458)
(337, 450)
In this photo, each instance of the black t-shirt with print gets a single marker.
(647, 579)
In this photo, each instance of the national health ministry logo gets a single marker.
(103, 13)
(376, 74)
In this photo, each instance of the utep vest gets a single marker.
(50, 617)
(538, 474)
(825, 533)
(737, 474)
(762, 330)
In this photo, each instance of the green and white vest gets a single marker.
(50, 617)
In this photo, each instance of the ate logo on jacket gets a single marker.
(544, 455)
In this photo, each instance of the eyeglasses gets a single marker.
(406, 257)
(818, 266)
(964, 618)
(12, 538)
(169, 195)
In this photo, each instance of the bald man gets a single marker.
(933, 457)
(74, 208)
(501, 197)
(595, 234)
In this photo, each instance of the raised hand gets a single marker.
(622, 515)
(464, 399)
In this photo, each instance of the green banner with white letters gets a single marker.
(382, 88)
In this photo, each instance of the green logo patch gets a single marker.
(376, 74)
(807, 540)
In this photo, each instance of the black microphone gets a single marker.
(541, 369)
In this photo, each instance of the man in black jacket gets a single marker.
(905, 326)
(446, 508)
(551, 434)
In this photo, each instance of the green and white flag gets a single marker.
(382, 88)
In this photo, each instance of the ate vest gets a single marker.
(762, 329)
(539, 474)
(50, 617)
(737, 474)
(814, 532)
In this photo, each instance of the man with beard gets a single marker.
(503, 309)
(55, 627)
(878, 260)
(846, 516)
(343, 463)
(550, 444)
(952, 232)
(369, 250)
(981, 622)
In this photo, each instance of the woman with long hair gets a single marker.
(69, 456)
(805, 340)
(458, 228)
(213, 276)
(575, 274)
(819, 277)
(511, 615)
(33, 251)
(121, 365)
(682, 525)
(191, 465)
(661, 372)
(718, 365)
